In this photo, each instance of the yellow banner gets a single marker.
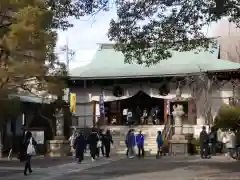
(73, 100)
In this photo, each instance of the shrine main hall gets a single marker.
(183, 79)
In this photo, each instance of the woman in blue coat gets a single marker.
(140, 144)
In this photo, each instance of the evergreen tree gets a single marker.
(145, 31)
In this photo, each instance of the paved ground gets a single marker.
(120, 168)
(40, 162)
(15, 167)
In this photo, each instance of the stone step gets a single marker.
(147, 152)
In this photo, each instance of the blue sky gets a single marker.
(84, 36)
(86, 33)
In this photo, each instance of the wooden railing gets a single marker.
(167, 130)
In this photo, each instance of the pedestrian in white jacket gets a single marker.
(71, 142)
(230, 141)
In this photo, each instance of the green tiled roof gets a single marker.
(107, 64)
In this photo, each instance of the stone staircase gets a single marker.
(149, 131)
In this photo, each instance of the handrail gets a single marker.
(169, 133)
(167, 129)
(164, 128)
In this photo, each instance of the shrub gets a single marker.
(228, 118)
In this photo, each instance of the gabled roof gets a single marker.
(109, 64)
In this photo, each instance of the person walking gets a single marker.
(93, 141)
(126, 143)
(230, 142)
(79, 145)
(101, 145)
(140, 144)
(204, 140)
(29, 150)
(72, 139)
(131, 142)
(159, 141)
(107, 141)
(212, 141)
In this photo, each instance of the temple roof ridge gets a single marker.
(109, 64)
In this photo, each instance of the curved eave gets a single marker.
(150, 76)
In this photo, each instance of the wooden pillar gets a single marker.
(94, 113)
(119, 117)
(165, 111)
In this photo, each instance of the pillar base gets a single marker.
(58, 148)
(178, 147)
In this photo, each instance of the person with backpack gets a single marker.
(29, 150)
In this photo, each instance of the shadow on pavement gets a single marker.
(43, 162)
(138, 166)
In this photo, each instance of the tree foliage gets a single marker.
(228, 118)
(146, 30)
(28, 63)
(63, 9)
(28, 37)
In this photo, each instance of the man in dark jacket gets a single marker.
(213, 140)
(107, 141)
(92, 141)
(204, 143)
(131, 142)
(79, 145)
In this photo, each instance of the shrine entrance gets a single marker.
(138, 104)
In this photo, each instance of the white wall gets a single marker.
(84, 112)
(219, 96)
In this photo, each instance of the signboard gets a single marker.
(73, 99)
(38, 136)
